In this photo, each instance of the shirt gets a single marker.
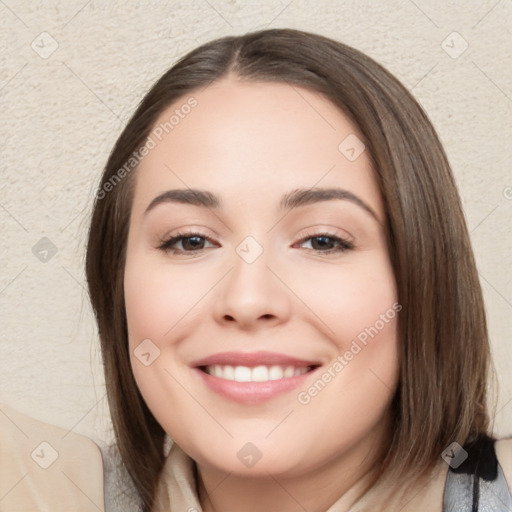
(45, 468)
(177, 487)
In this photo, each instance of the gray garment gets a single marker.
(494, 495)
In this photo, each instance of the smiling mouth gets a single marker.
(253, 377)
(261, 373)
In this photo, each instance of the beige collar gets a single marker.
(177, 490)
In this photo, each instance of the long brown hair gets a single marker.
(444, 352)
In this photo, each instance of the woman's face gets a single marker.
(265, 341)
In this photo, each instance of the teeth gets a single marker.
(228, 373)
(259, 374)
(256, 374)
(289, 372)
(242, 374)
(275, 373)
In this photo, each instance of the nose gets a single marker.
(252, 295)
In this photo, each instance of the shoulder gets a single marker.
(42, 465)
(503, 449)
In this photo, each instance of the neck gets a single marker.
(342, 480)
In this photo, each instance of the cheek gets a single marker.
(158, 297)
(161, 304)
(349, 299)
(353, 392)
(357, 311)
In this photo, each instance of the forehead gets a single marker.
(253, 140)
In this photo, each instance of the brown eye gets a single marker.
(190, 242)
(327, 243)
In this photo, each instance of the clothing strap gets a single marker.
(477, 484)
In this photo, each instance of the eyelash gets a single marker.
(167, 245)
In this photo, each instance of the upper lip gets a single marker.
(251, 359)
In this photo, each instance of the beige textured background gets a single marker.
(72, 72)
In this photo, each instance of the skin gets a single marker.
(250, 143)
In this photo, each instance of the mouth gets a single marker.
(253, 378)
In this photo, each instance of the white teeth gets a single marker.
(256, 374)
(242, 374)
(228, 373)
(259, 374)
(275, 373)
(289, 372)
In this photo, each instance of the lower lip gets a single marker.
(252, 392)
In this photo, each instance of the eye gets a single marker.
(190, 243)
(326, 243)
(323, 243)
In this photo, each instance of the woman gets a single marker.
(284, 286)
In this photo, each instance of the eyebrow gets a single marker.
(294, 199)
